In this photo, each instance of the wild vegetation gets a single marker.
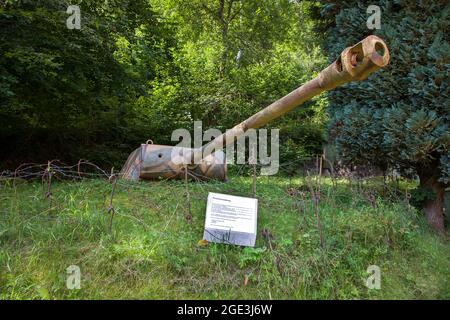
(154, 250)
(138, 69)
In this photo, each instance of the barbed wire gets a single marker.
(157, 195)
(154, 191)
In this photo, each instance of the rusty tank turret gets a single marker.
(151, 161)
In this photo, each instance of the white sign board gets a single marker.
(231, 219)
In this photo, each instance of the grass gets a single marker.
(153, 251)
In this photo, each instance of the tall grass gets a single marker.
(153, 251)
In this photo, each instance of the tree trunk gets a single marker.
(433, 208)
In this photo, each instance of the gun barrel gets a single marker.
(157, 161)
(355, 63)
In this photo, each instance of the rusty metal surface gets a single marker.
(151, 162)
(355, 63)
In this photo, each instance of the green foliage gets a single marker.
(250, 255)
(69, 93)
(137, 70)
(153, 252)
(277, 52)
(399, 116)
(420, 196)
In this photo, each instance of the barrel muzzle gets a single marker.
(356, 63)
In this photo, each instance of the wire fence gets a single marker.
(191, 187)
(170, 201)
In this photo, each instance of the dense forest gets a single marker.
(137, 70)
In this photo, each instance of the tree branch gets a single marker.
(235, 14)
